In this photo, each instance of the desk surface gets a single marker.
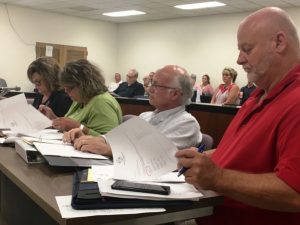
(42, 183)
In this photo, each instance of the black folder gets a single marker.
(86, 195)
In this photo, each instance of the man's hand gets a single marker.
(202, 172)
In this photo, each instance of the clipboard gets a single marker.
(86, 195)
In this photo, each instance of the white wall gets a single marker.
(200, 44)
(100, 38)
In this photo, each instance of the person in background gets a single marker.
(256, 165)
(130, 88)
(205, 86)
(170, 91)
(2, 83)
(147, 83)
(151, 74)
(94, 110)
(246, 91)
(228, 92)
(44, 74)
(114, 85)
(196, 89)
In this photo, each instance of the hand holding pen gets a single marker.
(201, 148)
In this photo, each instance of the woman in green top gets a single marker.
(94, 110)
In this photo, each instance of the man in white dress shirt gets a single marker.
(114, 85)
(169, 92)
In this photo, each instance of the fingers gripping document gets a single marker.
(140, 151)
(16, 114)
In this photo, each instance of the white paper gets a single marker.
(50, 134)
(20, 117)
(66, 210)
(140, 151)
(104, 172)
(64, 151)
(49, 51)
(179, 191)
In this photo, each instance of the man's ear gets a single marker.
(280, 42)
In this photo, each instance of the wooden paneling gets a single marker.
(62, 53)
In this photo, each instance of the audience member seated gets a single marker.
(114, 85)
(227, 93)
(256, 165)
(147, 83)
(196, 89)
(246, 91)
(170, 91)
(2, 83)
(151, 74)
(94, 110)
(206, 88)
(130, 88)
(44, 74)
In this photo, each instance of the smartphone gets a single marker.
(146, 188)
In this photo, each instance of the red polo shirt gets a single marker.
(263, 138)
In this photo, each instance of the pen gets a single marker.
(201, 148)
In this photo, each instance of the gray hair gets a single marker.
(194, 77)
(183, 81)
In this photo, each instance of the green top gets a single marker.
(100, 115)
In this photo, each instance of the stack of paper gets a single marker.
(17, 115)
(179, 189)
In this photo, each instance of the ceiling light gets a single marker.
(201, 5)
(124, 13)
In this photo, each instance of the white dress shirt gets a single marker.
(177, 124)
(113, 86)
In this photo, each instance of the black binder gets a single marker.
(86, 195)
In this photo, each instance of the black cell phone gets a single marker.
(146, 188)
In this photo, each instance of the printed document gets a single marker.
(64, 150)
(140, 151)
(179, 191)
(20, 117)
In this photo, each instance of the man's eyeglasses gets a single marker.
(130, 77)
(156, 86)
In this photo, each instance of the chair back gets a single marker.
(208, 141)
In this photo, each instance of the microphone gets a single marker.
(16, 88)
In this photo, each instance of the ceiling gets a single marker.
(155, 9)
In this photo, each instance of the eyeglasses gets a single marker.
(131, 76)
(156, 86)
(37, 82)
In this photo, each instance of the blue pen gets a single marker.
(201, 148)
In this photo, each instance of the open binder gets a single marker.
(86, 195)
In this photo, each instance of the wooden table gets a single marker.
(27, 196)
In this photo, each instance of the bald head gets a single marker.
(269, 21)
(268, 45)
(170, 88)
(178, 77)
